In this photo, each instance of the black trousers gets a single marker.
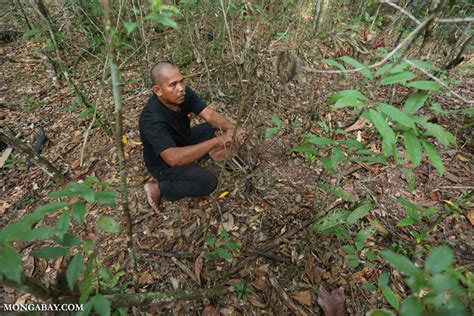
(190, 180)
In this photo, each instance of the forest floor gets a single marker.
(269, 211)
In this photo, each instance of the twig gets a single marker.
(441, 82)
(185, 269)
(295, 308)
(455, 20)
(401, 10)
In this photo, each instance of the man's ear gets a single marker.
(156, 90)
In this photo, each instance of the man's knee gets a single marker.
(210, 183)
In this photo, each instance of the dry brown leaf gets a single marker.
(359, 124)
(434, 196)
(470, 216)
(332, 304)
(303, 297)
(261, 284)
(255, 301)
(6, 153)
(145, 278)
(262, 270)
(198, 267)
(210, 310)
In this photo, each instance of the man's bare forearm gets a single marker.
(178, 156)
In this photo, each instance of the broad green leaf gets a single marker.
(438, 109)
(108, 224)
(424, 85)
(62, 223)
(406, 222)
(330, 221)
(209, 256)
(383, 279)
(74, 270)
(425, 65)
(397, 115)
(327, 164)
(382, 70)
(221, 252)
(364, 234)
(162, 19)
(10, 264)
(413, 147)
(354, 63)
(304, 150)
(68, 240)
(347, 102)
(78, 212)
(384, 129)
(83, 190)
(400, 77)
(270, 132)
(439, 259)
(34, 33)
(336, 191)
(390, 296)
(349, 249)
(346, 93)
(130, 27)
(381, 312)
(432, 154)
(106, 197)
(414, 102)
(92, 180)
(351, 261)
(399, 68)
(379, 159)
(318, 141)
(359, 213)
(401, 263)
(35, 234)
(232, 246)
(336, 156)
(101, 305)
(209, 240)
(442, 135)
(63, 193)
(276, 121)
(50, 252)
(410, 178)
(352, 143)
(442, 282)
(332, 62)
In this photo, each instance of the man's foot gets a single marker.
(153, 195)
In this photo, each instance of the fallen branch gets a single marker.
(289, 302)
(7, 137)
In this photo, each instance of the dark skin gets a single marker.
(170, 91)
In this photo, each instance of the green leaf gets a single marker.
(406, 222)
(401, 263)
(442, 135)
(383, 279)
(346, 93)
(439, 259)
(62, 223)
(318, 141)
(50, 252)
(108, 224)
(399, 68)
(10, 264)
(381, 312)
(330, 221)
(351, 261)
(414, 102)
(74, 270)
(382, 70)
(63, 193)
(354, 63)
(349, 249)
(34, 33)
(304, 150)
(432, 154)
(35, 234)
(336, 191)
(327, 164)
(390, 296)
(365, 234)
(413, 147)
(130, 27)
(209, 256)
(68, 240)
(397, 115)
(162, 19)
(347, 102)
(232, 246)
(379, 159)
(101, 305)
(336, 156)
(83, 190)
(270, 132)
(400, 77)
(410, 178)
(425, 65)
(438, 109)
(332, 62)
(352, 143)
(411, 306)
(276, 121)
(384, 129)
(221, 252)
(424, 85)
(359, 213)
(78, 212)
(106, 197)
(209, 240)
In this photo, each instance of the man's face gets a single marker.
(172, 89)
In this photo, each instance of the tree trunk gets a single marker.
(7, 137)
(318, 9)
(118, 136)
(462, 43)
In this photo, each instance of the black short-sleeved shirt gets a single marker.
(162, 128)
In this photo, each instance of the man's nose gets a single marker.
(181, 87)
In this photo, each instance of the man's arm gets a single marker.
(216, 120)
(178, 156)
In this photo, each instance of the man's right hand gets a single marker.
(226, 138)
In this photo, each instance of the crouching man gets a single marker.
(171, 147)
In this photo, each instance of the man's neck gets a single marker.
(172, 107)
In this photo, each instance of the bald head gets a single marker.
(158, 72)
